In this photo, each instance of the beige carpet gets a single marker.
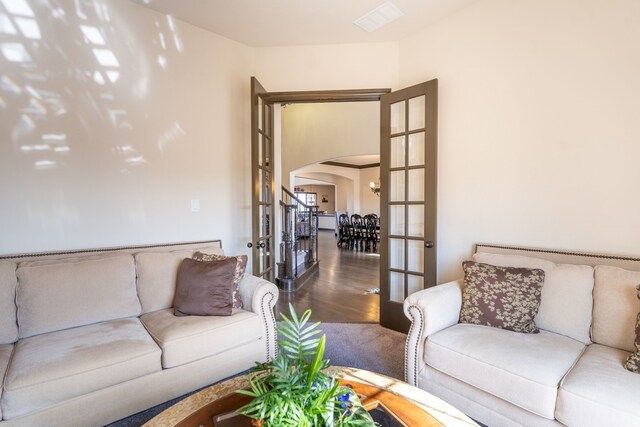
(366, 346)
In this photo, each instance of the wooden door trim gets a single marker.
(319, 96)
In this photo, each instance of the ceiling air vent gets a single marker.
(379, 17)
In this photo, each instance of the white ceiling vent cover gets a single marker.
(379, 17)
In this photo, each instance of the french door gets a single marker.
(262, 168)
(408, 174)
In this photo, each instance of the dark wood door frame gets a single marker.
(258, 93)
(319, 96)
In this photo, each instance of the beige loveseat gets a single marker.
(571, 373)
(89, 338)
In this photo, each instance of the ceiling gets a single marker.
(357, 161)
(262, 23)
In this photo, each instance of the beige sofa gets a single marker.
(89, 338)
(571, 373)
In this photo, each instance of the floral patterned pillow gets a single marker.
(633, 362)
(241, 265)
(502, 297)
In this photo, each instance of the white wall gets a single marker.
(325, 67)
(325, 195)
(538, 124)
(346, 180)
(313, 133)
(369, 202)
(101, 154)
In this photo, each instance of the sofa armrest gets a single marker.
(260, 297)
(430, 311)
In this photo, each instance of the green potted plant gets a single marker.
(294, 390)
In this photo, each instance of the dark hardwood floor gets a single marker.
(336, 293)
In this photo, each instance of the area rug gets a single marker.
(359, 345)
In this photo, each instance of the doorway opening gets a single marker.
(346, 287)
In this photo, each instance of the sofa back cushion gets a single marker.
(567, 300)
(60, 294)
(157, 273)
(615, 307)
(8, 283)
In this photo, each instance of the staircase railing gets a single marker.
(299, 237)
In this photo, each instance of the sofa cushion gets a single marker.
(54, 367)
(157, 273)
(59, 294)
(567, 300)
(185, 339)
(205, 288)
(522, 369)
(241, 265)
(615, 307)
(8, 283)
(5, 355)
(599, 392)
(502, 297)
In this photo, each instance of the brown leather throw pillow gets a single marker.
(205, 288)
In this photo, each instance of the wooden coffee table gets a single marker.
(410, 405)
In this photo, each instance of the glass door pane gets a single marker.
(397, 152)
(416, 113)
(416, 149)
(397, 117)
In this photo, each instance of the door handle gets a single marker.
(249, 245)
(428, 244)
